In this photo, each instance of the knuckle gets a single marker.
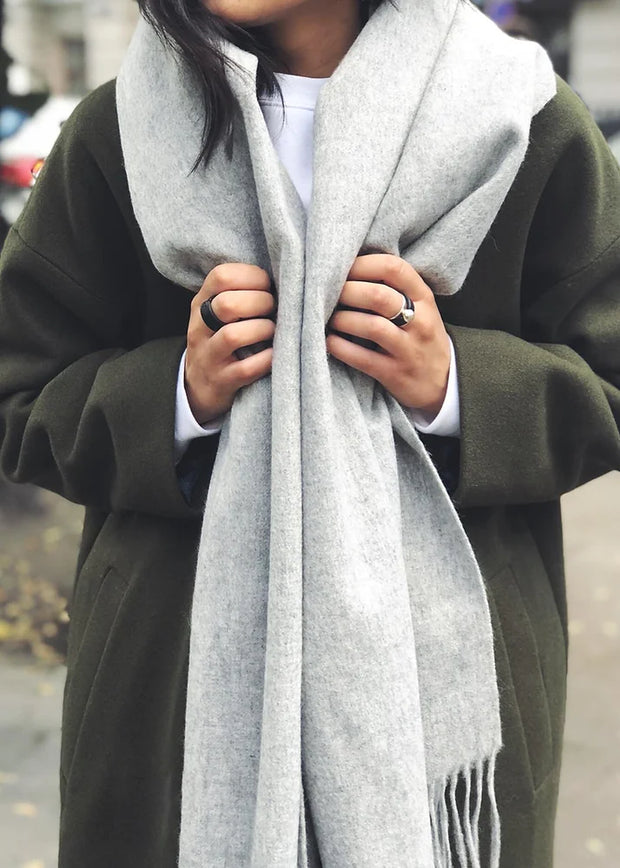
(219, 278)
(246, 371)
(378, 296)
(224, 307)
(377, 328)
(194, 330)
(425, 291)
(228, 338)
(425, 287)
(424, 330)
(394, 269)
(252, 368)
(216, 281)
(198, 299)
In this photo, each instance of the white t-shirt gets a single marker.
(292, 137)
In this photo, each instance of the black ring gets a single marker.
(402, 318)
(209, 317)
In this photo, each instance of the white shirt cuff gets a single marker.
(186, 428)
(447, 423)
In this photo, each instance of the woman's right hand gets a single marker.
(213, 374)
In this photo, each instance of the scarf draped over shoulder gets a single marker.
(342, 705)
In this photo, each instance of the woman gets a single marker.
(447, 262)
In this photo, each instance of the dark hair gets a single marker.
(189, 28)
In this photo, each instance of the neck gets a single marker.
(314, 38)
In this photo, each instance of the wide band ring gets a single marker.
(209, 317)
(406, 313)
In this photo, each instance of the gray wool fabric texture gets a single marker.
(341, 676)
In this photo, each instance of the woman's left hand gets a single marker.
(413, 361)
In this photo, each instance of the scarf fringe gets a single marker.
(455, 829)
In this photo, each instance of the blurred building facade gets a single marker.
(595, 66)
(72, 46)
(67, 46)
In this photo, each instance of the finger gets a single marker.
(230, 338)
(368, 361)
(393, 271)
(371, 327)
(372, 297)
(229, 306)
(223, 343)
(232, 276)
(246, 371)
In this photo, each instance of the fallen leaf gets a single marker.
(12, 610)
(595, 846)
(52, 535)
(49, 630)
(44, 688)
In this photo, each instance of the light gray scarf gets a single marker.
(341, 678)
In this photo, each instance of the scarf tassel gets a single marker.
(455, 829)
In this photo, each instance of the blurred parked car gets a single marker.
(30, 144)
(11, 119)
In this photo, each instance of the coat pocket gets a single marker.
(532, 637)
(86, 660)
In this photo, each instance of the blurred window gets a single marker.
(74, 57)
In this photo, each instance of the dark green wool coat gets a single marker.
(90, 339)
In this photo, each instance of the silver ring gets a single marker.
(406, 313)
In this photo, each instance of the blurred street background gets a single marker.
(53, 53)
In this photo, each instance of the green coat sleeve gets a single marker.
(87, 395)
(540, 408)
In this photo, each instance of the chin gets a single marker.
(251, 13)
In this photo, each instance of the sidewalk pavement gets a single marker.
(29, 749)
(588, 827)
